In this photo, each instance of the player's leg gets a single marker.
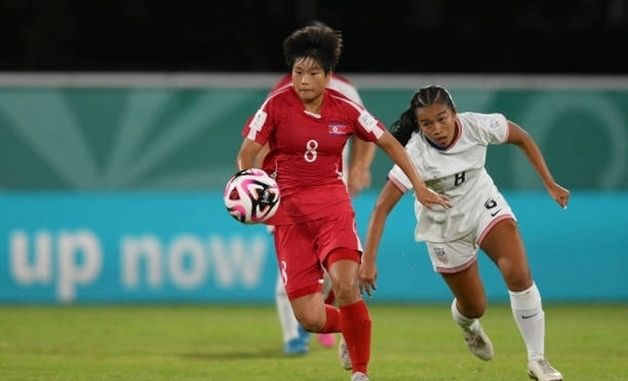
(301, 273)
(327, 340)
(456, 262)
(355, 322)
(468, 307)
(312, 314)
(503, 244)
(295, 337)
(340, 255)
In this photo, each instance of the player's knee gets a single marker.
(310, 323)
(473, 309)
(518, 279)
(346, 291)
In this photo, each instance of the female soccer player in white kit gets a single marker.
(449, 151)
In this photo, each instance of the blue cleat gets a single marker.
(299, 345)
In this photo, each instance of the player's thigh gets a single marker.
(310, 311)
(467, 287)
(336, 232)
(297, 257)
(503, 244)
(456, 261)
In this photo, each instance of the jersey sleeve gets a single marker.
(490, 128)
(259, 127)
(397, 176)
(368, 127)
(399, 179)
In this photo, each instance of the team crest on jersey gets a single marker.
(338, 129)
(440, 253)
(493, 124)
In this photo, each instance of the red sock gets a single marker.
(332, 324)
(355, 325)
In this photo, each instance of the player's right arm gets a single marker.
(255, 132)
(386, 201)
(248, 154)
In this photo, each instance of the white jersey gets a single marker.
(457, 172)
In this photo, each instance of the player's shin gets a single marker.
(528, 313)
(355, 325)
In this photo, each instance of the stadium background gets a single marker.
(119, 124)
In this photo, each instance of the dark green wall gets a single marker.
(186, 139)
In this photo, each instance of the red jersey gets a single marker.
(305, 154)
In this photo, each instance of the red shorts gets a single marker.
(302, 248)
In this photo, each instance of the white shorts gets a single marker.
(455, 256)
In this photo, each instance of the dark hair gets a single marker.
(320, 43)
(430, 95)
(403, 128)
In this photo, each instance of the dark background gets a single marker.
(423, 36)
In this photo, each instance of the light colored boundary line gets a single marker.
(267, 80)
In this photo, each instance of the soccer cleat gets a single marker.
(478, 342)
(359, 376)
(299, 345)
(295, 347)
(343, 355)
(541, 370)
(327, 340)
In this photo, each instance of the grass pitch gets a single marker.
(237, 343)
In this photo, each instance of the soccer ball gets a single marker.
(251, 196)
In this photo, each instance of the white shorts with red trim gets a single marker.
(455, 256)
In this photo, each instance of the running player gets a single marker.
(306, 126)
(358, 177)
(449, 150)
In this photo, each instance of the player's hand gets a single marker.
(359, 179)
(367, 275)
(429, 198)
(559, 194)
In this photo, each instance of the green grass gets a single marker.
(233, 343)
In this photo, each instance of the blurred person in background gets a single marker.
(307, 126)
(449, 151)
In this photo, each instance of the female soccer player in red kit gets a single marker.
(357, 158)
(306, 126)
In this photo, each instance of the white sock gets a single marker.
(464, 322)
(289, 323)
(530, 318)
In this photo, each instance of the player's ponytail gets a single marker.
(403, 128)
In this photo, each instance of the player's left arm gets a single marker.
(362, 154)
(520, 138)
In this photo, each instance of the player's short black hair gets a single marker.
(403, 128)
(318, 42)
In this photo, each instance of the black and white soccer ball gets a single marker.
(251, 196)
